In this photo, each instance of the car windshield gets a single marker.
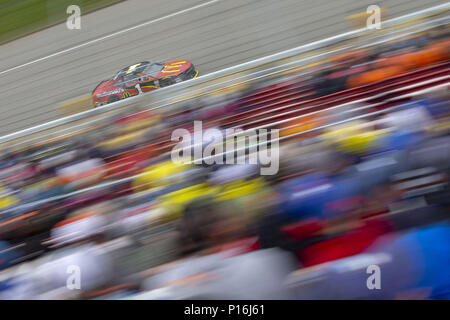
(153, 69)
(130, 78)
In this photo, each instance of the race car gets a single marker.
(140, 78)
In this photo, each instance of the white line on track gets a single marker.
(111, 35)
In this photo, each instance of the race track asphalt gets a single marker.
(212, 34)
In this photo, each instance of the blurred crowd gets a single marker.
(363, 181)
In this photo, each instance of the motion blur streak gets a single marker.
(359, 208)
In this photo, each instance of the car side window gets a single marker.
(149, 84)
